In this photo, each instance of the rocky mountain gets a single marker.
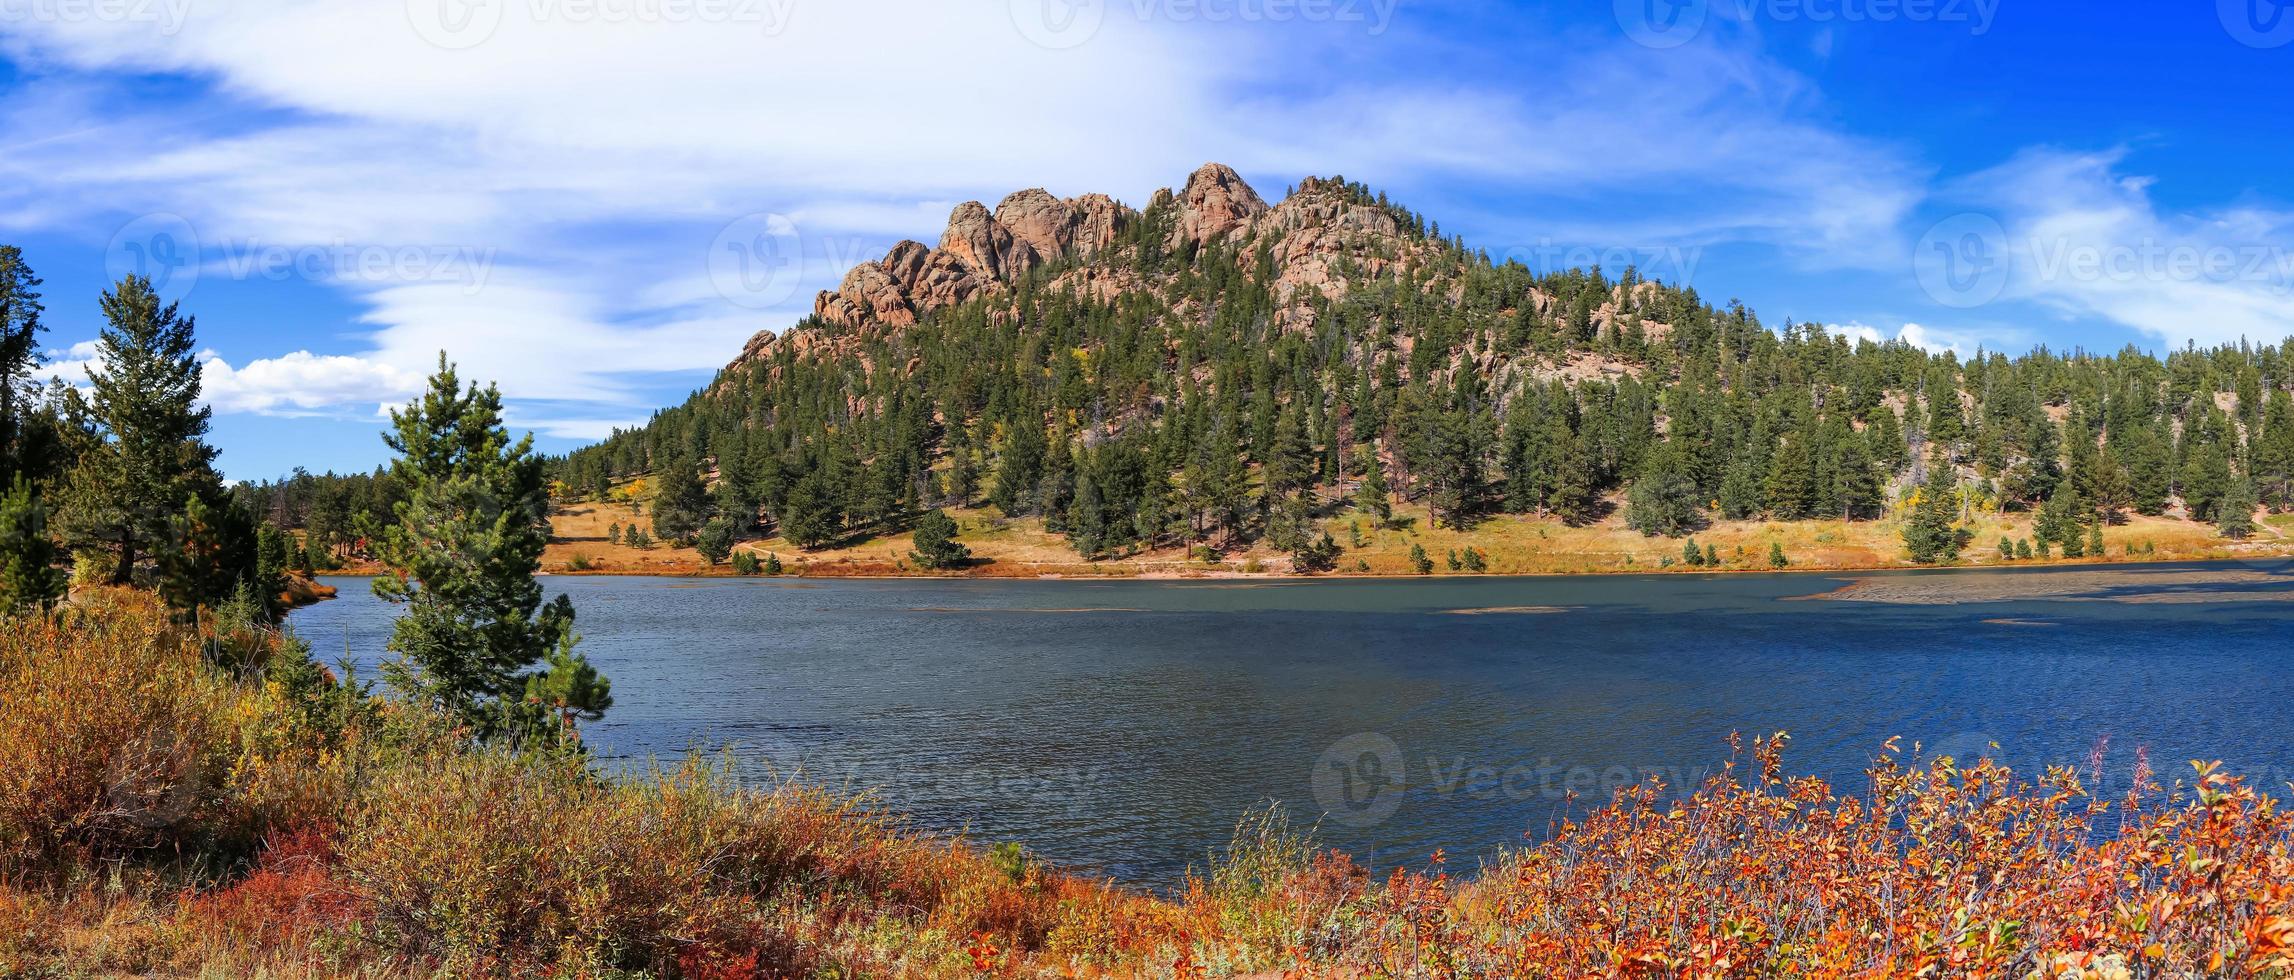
(1214, 371)
(1322, 239)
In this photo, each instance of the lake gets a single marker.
(1123, 727)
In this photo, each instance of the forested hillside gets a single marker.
(1213, 371)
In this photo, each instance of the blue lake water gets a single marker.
(1123, 727)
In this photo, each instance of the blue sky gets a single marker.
(596, 202)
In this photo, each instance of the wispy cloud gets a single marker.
(601, 164)
(2078, 234)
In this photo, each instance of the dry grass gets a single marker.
(1514, 545)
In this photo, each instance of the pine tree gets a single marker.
(715, 541)
(680, 503)
(1315, 556)
(209, 555)
(20, 311)
(151, 456)
(2273, 468)
(570, 688)
(461, 556)
(2058, 520)
(29, 579)
(2235, 514)
(1930, 535)
(1020, 469)
(1855, 484)
(1371, 498)
(2205, 479)
(1776, 557)
(271, 568)
(1574, 493)
(813, 514)
(1791, 480)
(936, 544)
(1418, 560)
(1664, 500)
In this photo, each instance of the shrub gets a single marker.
(1473, 560)
(111, 732)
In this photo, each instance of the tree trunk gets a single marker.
(125, 573)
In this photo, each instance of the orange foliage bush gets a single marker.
(108, 732)
(1936, 871)
(392, 849)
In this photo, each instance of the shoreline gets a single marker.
(1841, 571)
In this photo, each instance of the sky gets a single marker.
(595, 203)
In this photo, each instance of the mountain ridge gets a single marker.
(1213, 373)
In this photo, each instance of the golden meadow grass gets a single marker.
(161, 815)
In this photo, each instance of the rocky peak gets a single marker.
(984, 252)
(984, 245)
(1216, 201)
(1044, 222)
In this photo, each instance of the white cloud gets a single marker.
(1929, 339)
(2085, 239)
(296, 384)
(598, 160)
(303, 383)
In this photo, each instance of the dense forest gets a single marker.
(1213, 371)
